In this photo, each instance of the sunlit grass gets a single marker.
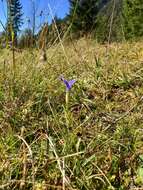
(97, 144)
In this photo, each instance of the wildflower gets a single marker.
(69, 83)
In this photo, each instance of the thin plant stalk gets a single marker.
(67, 100)
(13, 54)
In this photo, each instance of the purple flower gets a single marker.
(69, 83)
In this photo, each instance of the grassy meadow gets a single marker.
(91, 141)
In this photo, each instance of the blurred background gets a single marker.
(102, 20)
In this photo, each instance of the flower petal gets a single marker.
(68, 84)
(71, 82)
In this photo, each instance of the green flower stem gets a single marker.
(67, 100)
(67, 109)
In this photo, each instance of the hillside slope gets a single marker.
(89, 138)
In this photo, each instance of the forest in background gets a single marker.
(102, 20)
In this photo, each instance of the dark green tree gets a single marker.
(108, 20)
(83, 15)
(133, 18)
(14, 21)
(119, 20)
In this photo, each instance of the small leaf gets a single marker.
(140, 172)
(141, 157)
(89, 159)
